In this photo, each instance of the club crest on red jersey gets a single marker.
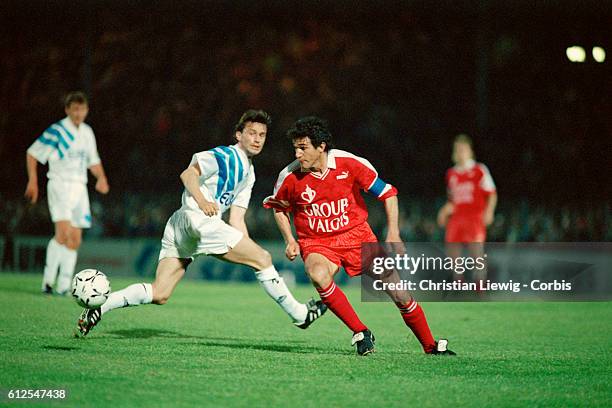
(308, 195)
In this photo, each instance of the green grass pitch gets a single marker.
(229, 345)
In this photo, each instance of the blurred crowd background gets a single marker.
(145, 215)
(395, 80)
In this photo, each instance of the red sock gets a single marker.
(415, 319)
(337, 302)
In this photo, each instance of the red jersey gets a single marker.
(330, 203)
(468, 188)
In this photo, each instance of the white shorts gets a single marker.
(190, 233)
(69, 201)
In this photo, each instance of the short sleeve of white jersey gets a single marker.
(244, 196)
(47, 144)
(93, 157)
(486, 183)
(207, 163)
(42, 148)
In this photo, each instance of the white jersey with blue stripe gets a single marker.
(227, 178)
(69, 150)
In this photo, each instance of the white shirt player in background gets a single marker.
(69, 147)
(216, 180)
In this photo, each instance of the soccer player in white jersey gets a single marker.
(215, 181)
(69, 147)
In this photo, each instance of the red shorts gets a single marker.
(466, 229)
(343, 249)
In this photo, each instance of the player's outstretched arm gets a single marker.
(393, 240)
(489, 213)
(236, 219)
(445, 212)
(190, 178)
(31, 192)
(284, 225)
(392, 210)
(102, 186)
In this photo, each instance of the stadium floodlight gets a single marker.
(599, 54)
(575, 53)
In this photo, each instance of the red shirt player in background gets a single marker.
(322, 190)
(471, 203)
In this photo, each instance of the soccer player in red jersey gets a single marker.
(322, 190)
(471, 203)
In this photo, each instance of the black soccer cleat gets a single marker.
(441, 349)
(48, 290)
(364, 341)
(316, 309)
(88, 320)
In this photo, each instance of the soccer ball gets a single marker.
(90, 288)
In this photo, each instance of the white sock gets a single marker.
(52, 261)
(66, 269)
(274, 286)
(133, 295)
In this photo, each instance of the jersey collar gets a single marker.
(331, 159)
(241, 153)
(331, 164)
(67, 123)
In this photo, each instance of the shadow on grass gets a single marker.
(249, 344)
(28, 290)
(60, 348)
(145, 333)
(294, 346)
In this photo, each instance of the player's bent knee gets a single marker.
(264, 259)
(164, 286)
(402, 297)
(319, 275)
(387, 275)
(261, 259)
(160, 298)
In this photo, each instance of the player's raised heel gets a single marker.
(442, 348)
(316, 309)
(364, 341)
(88, 320)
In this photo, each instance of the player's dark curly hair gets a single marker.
(314, 128)
(255, 116)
